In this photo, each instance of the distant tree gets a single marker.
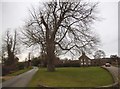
(61, 27)
(20, 65)
(40, 60)
(2, 54)
(99, 54)
(35, 61)
(9, 48)
(114, 56)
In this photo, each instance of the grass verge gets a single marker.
(72, 77)
(9, 76)
(19, 72)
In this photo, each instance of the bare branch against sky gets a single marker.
(14, 13)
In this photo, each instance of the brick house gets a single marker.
(84, 60)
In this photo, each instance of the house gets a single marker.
(84, 60)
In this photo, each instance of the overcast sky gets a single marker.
(14, 13)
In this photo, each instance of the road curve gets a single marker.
(21, 80)
(115, 72)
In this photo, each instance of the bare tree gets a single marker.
(61, 27)
(99, 54)
(114, 56)
(9, 47)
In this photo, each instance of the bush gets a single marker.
(5, 71)
(8, 69)
(68, 65)
(20, 65)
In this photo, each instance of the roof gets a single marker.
(84, 56)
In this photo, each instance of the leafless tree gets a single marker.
(61, 27)
(9, 47)
(99, 54)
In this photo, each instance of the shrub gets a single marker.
(68, 65)
(20, 65)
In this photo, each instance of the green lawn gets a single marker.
(72, 77)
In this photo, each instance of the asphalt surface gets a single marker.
(21, 80)
(113, 70)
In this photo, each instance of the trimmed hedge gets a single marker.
(68, 65)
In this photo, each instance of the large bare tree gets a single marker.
(61, 27)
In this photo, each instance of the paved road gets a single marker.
(114, 70)
(20, 80)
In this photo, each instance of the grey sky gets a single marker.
(119, 28)
(14, 14)
(107, 28)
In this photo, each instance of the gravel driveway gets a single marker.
(21, 80)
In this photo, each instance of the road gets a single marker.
(114, 70)
(20, 80)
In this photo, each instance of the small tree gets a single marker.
(61, 27)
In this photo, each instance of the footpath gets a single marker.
(21, 80)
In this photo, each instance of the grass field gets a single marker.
(72, 77)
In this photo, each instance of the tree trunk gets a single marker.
(50, 57)
(50, 66)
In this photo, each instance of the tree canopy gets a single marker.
(61, 27)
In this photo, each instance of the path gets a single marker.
(20, 80)
(113, 70)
